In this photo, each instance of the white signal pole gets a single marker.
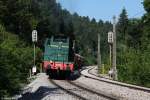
(114, 50)
(34, 40)
(34, 53)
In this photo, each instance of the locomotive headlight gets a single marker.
(51, 61)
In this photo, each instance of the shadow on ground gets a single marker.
(42, 92)
(72, 77)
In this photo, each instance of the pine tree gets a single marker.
(122, 26)
(146, 19)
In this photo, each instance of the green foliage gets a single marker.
(47, 16)
(135, 70)
(122, 26)
(146, 21)
(22, 16)
(16, 60)
(133, 53)
(87, 32)
(134, 35)
(147, 5)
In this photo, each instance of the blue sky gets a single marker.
(103, 9)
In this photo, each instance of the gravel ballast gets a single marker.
(124, 93)
(42, 89)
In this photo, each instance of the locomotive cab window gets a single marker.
(60, 39)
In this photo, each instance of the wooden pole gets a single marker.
(110, 55)
(114, 50)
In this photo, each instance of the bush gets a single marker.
(15, 61)
(136, 68)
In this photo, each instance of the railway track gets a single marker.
(67, 90)
(122, 90)
(81, 92)
(100, 78)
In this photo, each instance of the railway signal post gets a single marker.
(110, 41)
(112, 50)
(34, 40)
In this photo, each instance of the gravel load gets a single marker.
(124, 93)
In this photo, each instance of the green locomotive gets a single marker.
(59, 56)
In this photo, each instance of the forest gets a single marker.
(19, 17)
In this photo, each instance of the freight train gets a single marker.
(59, 56)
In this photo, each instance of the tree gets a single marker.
(122, 26)
(15, 62)
(146, 21)
(134, 32)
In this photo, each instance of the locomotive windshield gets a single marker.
(57, 49)
(60, 39)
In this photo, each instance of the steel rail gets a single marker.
(69, 92)
(106, 80)
(99, 93)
